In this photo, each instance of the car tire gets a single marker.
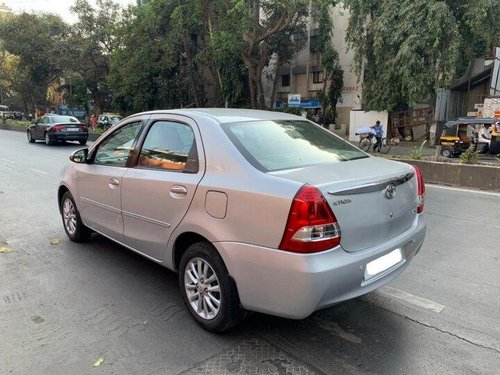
(72, 222)
(83, 142)
(48, 142)
(219, 308)
(447, 152)
(30, 137)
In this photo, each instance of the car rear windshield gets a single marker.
(287, 144)
(62, 119)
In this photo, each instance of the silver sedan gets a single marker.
(256, 211)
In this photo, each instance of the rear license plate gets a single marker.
(383, 263)
(72, 129)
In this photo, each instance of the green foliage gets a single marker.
(469, 156)
(333, 74)
(258, 23)
(417, 152)
(93, 39)
(148, 77)
(39, 43)
(405, 48)
(293, 111)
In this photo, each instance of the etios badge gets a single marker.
(390, 191)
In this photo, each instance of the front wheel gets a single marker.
(83, 142)
(365, 143)
(30, 137)
(72, 222)
(447, 152)
(208, 292)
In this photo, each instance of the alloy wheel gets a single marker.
(202, 288)
(69, 215)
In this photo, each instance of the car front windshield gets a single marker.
(287, 144)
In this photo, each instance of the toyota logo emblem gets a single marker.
(390, 191)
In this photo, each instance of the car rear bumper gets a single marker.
(295, 285)
(68, 136)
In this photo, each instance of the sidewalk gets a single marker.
(405, 148)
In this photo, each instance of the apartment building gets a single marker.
(304, 76)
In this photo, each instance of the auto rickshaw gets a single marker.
(460, 134)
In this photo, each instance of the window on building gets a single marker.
(314, 44)
(317, 77)
(285, 80)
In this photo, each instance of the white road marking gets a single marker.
(38, 171)
(389, 292)
(427, 185)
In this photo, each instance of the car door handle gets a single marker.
(114, 181)
(178, 190)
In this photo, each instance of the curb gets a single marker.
(481, 177)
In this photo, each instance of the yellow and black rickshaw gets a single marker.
(460, 134)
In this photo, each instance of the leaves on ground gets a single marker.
(98, 362)
(55, 241)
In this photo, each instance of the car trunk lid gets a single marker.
(373, 199)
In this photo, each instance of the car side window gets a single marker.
(169, 146)
(46, 120)
(116, 148)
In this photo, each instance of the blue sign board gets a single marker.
(67, 111)
(294, 100)
(305, 103)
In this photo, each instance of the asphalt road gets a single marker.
(65, 307)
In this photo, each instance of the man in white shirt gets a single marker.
(484, 138)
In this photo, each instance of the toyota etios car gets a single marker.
(256, 210)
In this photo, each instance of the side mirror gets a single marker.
(79, 156)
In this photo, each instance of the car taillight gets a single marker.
(57, 128)
(311, 226)
(420, 189)
(83, 128)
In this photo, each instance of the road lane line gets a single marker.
(427, 185)
(39, 171)
(389, 292)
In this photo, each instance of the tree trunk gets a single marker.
(279, 65)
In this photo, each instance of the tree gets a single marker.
(93, 40)
(333, 74)
(404, 49)
(39, 43)
(218, 53)
(149, 77)
(254, 23)
(478, 23)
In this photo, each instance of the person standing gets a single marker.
(379, 133)
(93, 121)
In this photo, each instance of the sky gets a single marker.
(60, 7)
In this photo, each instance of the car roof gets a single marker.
(228, 115)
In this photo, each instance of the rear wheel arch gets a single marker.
(182, 243)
